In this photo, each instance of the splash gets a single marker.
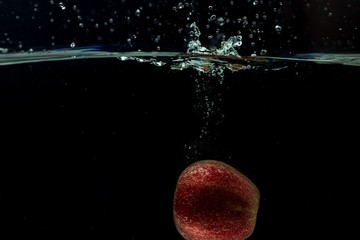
(220, 58)
(227, 48)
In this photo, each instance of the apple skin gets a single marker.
(214, 201)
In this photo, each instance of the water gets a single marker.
(103, 104)
(93, 141)
(190, 59)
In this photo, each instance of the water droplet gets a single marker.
(158, 63)
(137, 12)
(5, 50)
(278, 28)
(212, 18)
(62, 6)
(220, 21)
(157, 39)
(244, 21)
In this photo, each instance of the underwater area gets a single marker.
(103, 104)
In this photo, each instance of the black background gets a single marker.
(92, 149)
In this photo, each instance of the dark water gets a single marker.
(92, 148)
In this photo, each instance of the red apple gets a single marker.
(214, 201)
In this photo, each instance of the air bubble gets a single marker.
(72, 45)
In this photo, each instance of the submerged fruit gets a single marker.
(214, 201)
